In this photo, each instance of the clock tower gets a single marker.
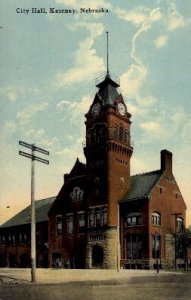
(108, 151)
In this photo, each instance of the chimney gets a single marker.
(166, 160)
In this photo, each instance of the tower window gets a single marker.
(126, 136)
(121, 133)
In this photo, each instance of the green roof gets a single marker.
(141, 185)
(23, 217)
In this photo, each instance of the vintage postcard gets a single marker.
(95, 138)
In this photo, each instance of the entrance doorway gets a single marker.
(97, 256)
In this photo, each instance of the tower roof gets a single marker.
(108, 90)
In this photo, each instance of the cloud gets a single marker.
(138, 165)
(86, 62)
(8, 129)
(75, 109)
(39, 136)
(35, 133)
(146, 101)
(25, 116)
(84, 3)
(161, 41)
(132, 81)
(174, 19)
(151, 126)
(136, 16)
(95, 29)
(11, 93)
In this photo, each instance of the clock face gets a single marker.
(121, 109)
(95, 109)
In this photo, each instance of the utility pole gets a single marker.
(33, 219)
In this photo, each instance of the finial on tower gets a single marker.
(107, 53)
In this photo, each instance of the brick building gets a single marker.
(103, 217)
(15, 237)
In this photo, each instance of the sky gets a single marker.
(49, 64)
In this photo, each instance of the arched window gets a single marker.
(179, 223)
(156, 219)
(121, 133)
(134, 219)
(126, 136)
(115, 132)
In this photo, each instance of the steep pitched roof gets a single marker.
(108, 90)
(141, 185)
(23, 217)
(78, 169)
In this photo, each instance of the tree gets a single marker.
(182, 242)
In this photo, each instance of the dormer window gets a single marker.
(156, 219)
(134, 219)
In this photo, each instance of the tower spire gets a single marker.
(107, 53)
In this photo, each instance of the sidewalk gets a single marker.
(8, 275)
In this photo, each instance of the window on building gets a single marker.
(20, 237)
(115, 132)
(121, 133)
(179, 223)
(91, 218)
(134, 219)
(98, 217)
(58, 225)
(156, 246)
(134, 246)
(2, 240)
(126, 136)
(156, 219)
(13, 239)
(70, 224)
(81, 219)
(25, 237)
(104, 214)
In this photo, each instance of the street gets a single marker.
(168, 287)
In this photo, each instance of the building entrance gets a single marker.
(97, 256)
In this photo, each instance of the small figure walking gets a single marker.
(158, 266)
